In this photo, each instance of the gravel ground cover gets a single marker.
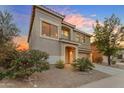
(56, 78)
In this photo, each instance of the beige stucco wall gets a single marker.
(54, 48)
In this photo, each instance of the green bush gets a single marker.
(7, 54)
(26, 63)
(113, 62)
(82, 64)
(2, 75)
(59, 64)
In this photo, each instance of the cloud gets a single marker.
(84, 23)
(65, 10)
(81, 22)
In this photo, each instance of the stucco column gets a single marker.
(60, 31)
(71, 34)
(76, 52)
(62, 52)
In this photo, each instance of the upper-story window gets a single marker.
(80, 38)
(77, 37)
(66, 33)
(49, 30)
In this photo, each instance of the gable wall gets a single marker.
(52, 47)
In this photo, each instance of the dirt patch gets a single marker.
(56, 78)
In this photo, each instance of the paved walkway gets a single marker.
(115, 81)
(108, 70)
(120, 63)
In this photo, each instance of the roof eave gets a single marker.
(31, 21)
(51, 11)
(68, 24)
(77, 30)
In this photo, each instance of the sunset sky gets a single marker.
(83, 16)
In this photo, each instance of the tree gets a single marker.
(7, 28)
(108, 36)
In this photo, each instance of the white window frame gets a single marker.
(47, 37)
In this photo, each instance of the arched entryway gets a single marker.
(70, 54)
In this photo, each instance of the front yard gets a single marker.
(57, 78)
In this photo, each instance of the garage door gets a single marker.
(83, 55)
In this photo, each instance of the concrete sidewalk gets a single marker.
(111, 82)
(115, 81)
(108, 70)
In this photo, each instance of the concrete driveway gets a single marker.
(115, 81)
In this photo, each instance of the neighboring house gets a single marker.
(97, 56)
(119, 57)
(61, 40)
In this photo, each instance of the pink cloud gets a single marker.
(65, 10)
(80, 21)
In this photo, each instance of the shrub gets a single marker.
(7, 54)
(45, 65)
(82, 64)
(113, 62)
(2, 75)
(36, 55)
(59, 64)
(26, 63)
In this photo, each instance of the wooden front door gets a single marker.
(69, 55)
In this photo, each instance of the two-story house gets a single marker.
(61, 40)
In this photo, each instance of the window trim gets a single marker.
(69, 34)
(77, 36)
(80, 36)
(47, 37)
(84, 39)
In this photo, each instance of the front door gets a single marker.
(69, 55)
